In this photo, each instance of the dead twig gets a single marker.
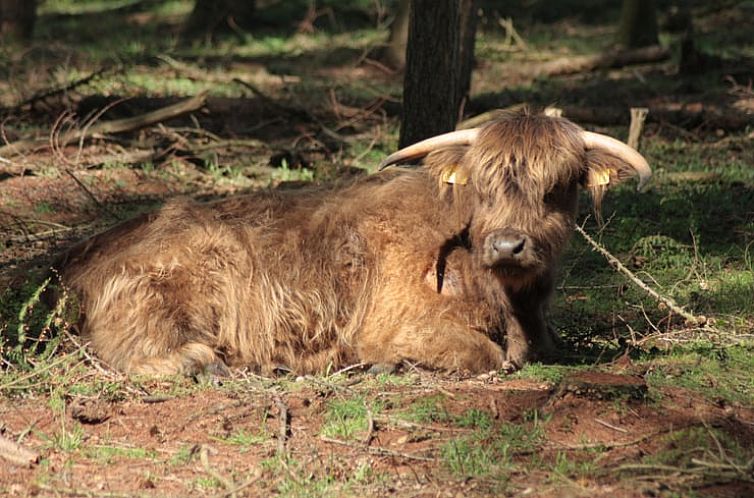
(405, 424)
(17, 454)
(330, 385)
(667, 301)
(346, 369)
(204, 458)
(513, 40)
(370, 426)
(82, 492)
(240, 487)
(378, 450)
(45, 94)
(283, 428)
(611, 426)
(114, 126)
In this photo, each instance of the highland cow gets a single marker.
(449, 265)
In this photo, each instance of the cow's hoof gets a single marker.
(281, 370)
(509, 367)
(382, 368)
(212, 373)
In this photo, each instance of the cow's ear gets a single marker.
(603, 170)
(447, 165)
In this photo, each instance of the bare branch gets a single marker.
(667, 301)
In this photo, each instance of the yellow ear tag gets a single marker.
(599, 177)
(453, 174)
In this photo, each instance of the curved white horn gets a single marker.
(621, 150)
(419, 149)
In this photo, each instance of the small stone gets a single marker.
(402, 440)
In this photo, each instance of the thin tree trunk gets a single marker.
(430, 84)
(638, 24)
(394, 54)
(467, 25)
(17, 19)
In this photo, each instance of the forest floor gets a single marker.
(642, 403)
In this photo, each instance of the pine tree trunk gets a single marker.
(394, 54)
(468, 23)
(17, 19)
(430, 84)
(638, 24)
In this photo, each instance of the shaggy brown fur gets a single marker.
(390, 268)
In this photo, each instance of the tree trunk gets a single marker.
(394, 54)
(467, 25)
(211, 16)
(430, 84)
(17, 19)
(638, 24)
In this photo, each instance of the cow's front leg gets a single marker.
(528, 337)
(441, 345)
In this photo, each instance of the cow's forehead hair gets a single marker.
(528, 154)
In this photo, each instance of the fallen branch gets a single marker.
(667, 301)
(59, 90)
(609, 60)
(17, 454)
(370, 426)
(684, 115)
(283, 427)
(378, 450)
(228, 484)
(137, 156)
(115, 126)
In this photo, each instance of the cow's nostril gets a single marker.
(509, 246)
(519, 247)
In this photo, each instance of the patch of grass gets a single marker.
(474, 419)
(686, 445)
(717, 372)
(107, 454)
(540, 372)
(489, 450)
(520, 437)
(182, 456)
(427, 410)
(569, 467)
(347, 418)
(467, 457)
(313, 487)
(207, 482)
(286, 174)
(331, 478)
(245, 439)
(66, 439)
(44, 207)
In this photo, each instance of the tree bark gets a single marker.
(17, 19)
(467, 25)
(394, 54)
(430, 84)
(638, 24)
